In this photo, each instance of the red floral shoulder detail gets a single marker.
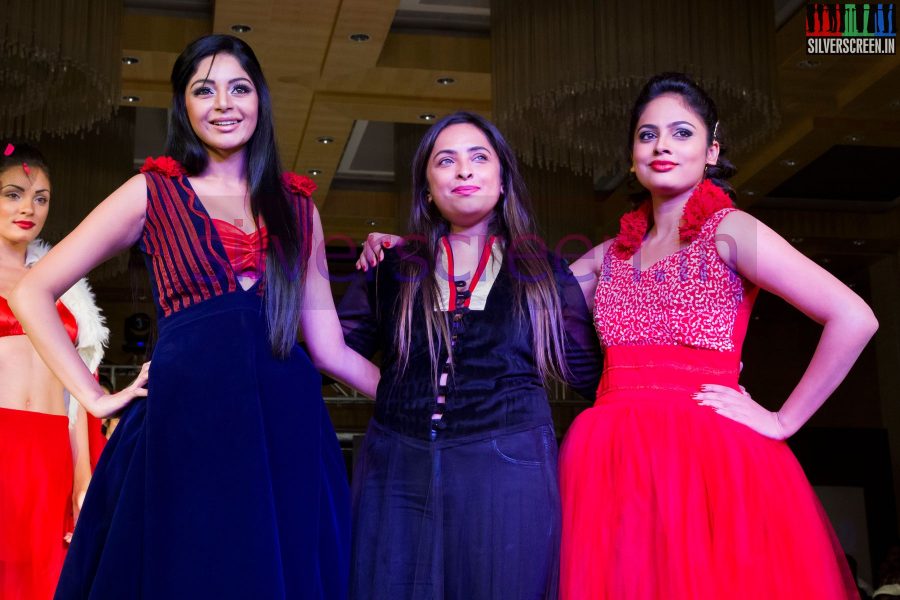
(163, 164)
(299, 184)
(706, 200)
(632, 229)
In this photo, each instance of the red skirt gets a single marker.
(663, 498)
(35, 502)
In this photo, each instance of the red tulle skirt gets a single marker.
(663, 498)
(35, 502)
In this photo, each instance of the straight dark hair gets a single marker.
(512, 221)
(285, 259)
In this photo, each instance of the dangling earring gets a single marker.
(428, 196)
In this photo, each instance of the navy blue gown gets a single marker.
(227, 481)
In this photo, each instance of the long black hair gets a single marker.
(285, 260)
(513, 222)
(701, 103)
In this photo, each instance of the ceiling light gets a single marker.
(325, 139)
(131, 99)
(788, 162)
(427, 117)
(315, 172)
(359, 37)
(446, 81)
(241, 28)
(130, 60)
(853, 138)
(808, 64)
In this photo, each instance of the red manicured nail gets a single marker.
(387, 244)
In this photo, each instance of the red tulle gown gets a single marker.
(663, 498)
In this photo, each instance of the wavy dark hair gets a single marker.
(22, 153)
(512, 221)
(285, 260)
(705, 108)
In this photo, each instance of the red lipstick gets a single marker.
(662, 166)
(24, 224)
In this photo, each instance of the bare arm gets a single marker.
(81, 457)
(587, 269)
(322, 329)
(112, 227)
(766, 259)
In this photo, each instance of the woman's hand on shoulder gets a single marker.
(373, 249)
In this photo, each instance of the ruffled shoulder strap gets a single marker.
(164, 165)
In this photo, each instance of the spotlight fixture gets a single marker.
(130, 60)
(241, 28)
(325, 139)
(131, 99)
(359, 37)
(853, 138)
(788, 162)
(427, 117)
(315, 172)
(446, 80)
(749, 192)
(371, 222)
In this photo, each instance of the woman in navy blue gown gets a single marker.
(227, 481)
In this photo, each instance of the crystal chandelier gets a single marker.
(566, 72)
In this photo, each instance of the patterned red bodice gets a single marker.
(689, 298)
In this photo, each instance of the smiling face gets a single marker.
(464, 176)
(669, 148)
(24, 204)
(222, 104)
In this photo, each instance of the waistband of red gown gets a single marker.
(636, 373)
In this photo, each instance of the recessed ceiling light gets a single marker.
(325, 139)
(239, 28)
(796, 240)
(427, 117)
(130, 60)
(749, 193)
(446, 80)
(853, 138)
(359, 37)
(371, 222)
(858, 243)
(808, 64)
(788, 162)
(131, 99)
(315, 172)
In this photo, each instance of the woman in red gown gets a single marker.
(676, 484)
(45, 463)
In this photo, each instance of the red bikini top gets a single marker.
(9, 325)
(245, 253)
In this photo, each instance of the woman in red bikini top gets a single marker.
(45, 462)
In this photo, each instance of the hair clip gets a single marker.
(9, 150)
(716, 131)
(27, 169)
